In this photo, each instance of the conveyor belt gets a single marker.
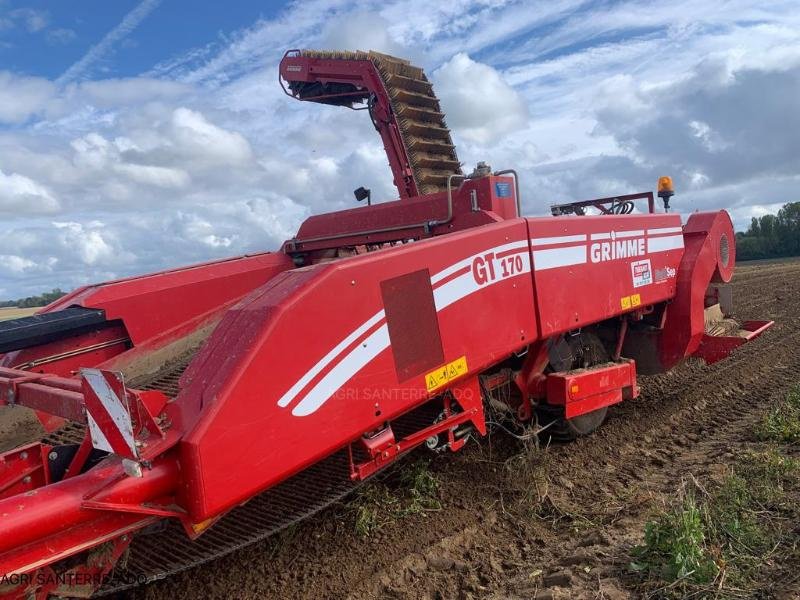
(420, 119)
(168, 550)
(158, 555)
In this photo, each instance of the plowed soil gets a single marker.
(523, 522)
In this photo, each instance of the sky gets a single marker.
(142, 135)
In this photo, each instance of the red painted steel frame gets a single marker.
(585, 390)
(715, 348)
(475, 203)
(304, 361)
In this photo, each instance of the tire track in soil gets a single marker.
(690, 420)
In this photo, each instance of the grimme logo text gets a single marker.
(615, 249)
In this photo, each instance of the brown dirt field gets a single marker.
(523, 523)
(15, 313)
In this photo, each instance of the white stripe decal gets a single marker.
(351, 364)
(561, 239)
(601, 236)
(559, 257)
(662, 244)
(99, 439)
(445, 295)
(627, 234)
(665, 230)
(287, 398)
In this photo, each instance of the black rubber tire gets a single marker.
(592, 352)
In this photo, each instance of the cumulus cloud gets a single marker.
(22, 97)
(721, 124)
(478, 102)
(203, 156)
(20, 194)
(205, 141)
(360, 30)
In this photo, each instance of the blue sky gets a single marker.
(53, 35)
(140, 135)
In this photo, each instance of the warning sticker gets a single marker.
(642, 273)
(441, 376)
(628, 302)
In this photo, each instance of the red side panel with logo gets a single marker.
(324, 353)
(591, 268)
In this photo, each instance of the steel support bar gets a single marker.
(57, 396)
(57, 507)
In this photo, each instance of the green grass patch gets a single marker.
(782, 423)
(722, 540)
(676, 545)
(378, 503)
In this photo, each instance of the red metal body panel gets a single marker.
(704, 261)
(341, 381)
(584, 266)
(153, 305)
(475, 203)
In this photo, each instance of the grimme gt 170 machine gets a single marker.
(193, 411)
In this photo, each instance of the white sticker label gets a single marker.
(642, 273)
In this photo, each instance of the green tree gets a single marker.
(771, 236)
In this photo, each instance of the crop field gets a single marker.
(15, 313)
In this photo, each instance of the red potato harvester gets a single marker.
(193, 411)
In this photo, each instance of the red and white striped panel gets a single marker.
(107, 413)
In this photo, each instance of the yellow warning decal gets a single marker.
(628, 302)
(441, 376)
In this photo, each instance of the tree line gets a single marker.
(33, 301)
(771, 236)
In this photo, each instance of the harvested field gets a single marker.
(506, 520)
(15, 313)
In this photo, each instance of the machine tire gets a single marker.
(587, 350)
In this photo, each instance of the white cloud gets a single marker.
(359, 30)
(204, 156)
(478, 103)
(88, 240)
(130, 22)
(21, 97)
(22, 195)
(61, 36)
(32, 19)
(205, 141)
(15, 264)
